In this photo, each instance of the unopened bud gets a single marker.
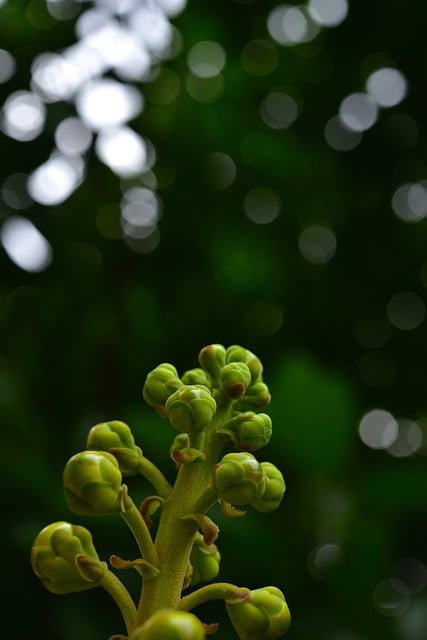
(191, 408)
(159, 385)
(93, 483)
(239, 478)
(236, 353)
(55, 557)
(257, 396)
(263, 616)
(249, 431)
(116, 438)
(197, 376)
(169, 624)
(212, 359)
(204, 559)
(234, 379)
(274, 489)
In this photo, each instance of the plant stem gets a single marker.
(121, 597)
(192, 493)
(218, 591)
(153, 474)
(141, 533)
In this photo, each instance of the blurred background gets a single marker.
(174, 174)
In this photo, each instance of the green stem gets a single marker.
(141, 533)
(153, 474)
(121, 597)
(218, 591)
(192, 493)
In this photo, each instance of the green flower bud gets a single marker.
(55, 554)
(204, 559)
(116, 438)
(197, 376)
(239, 478)
(274, 489)
(249, 431)
(263, 616)
(169, 624)
(212, 359)
(234, 379)
(240, 354)
(93, 483)
(191, 408)
(257, 396)
(159, 385)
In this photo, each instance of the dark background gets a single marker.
(78, 338)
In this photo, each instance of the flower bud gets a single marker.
(92, 483)
(116, 438)
(263, 616)
(257, 396)
(197, 376)
(191, 408)
(274, 489)
(234, 379)
(212, 359)
(240, 354)
(169, 624)
(204, 559)
(159, 385)
(55, 554)
(239, 478)
(249, 431)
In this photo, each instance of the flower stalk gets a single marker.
(211, 406)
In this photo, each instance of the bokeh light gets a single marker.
(409, 439)
(412, 572)
(123, 150)
(220, 170)
(25, 245)
(317, 244)
(259, 58)
(14, 192)
(406, 310)
(72, 137)
(7, 65)
(23, 116)
(107, 103)
(261, 205)
(328, 13)
(55, 180)
(279, 110)
(358, 112)
(339, 137)
(289, 25)
(323, 559)
(206, 59)
(387, 86)
(391, 597)
(409, 201)
(120, 37)
(378, 429)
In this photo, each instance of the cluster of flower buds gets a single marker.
(209, 406)
(240, 479)
(230, 377)
(65, 560)
(235, 374)
(264, 615)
